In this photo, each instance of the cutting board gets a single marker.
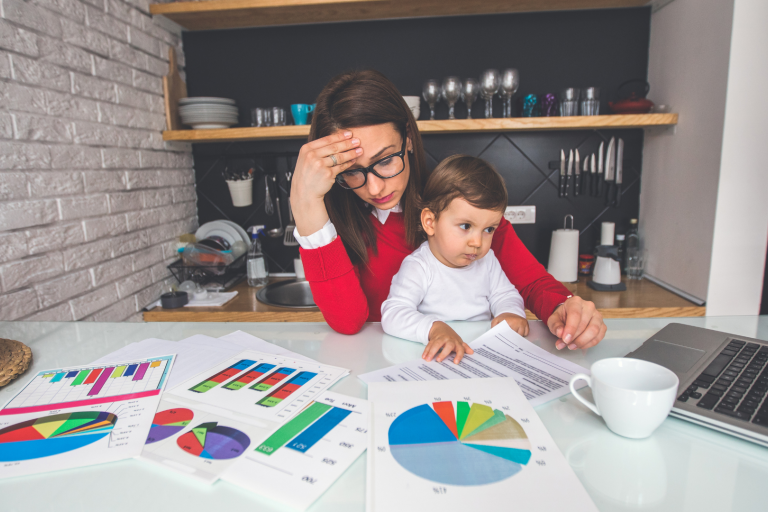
(174, 89)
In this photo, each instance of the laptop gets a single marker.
(723, 378)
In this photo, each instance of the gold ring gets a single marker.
(335, 162)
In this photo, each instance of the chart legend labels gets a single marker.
(168, 423)
(223, 376)
(58, 389)
(211, 441)
(52, 435)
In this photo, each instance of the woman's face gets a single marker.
(380, 141)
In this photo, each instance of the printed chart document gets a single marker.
(458, 445)
(299, 461)
(500, 352)
(198, 443)
(80, 416)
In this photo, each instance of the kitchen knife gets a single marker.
(585, 175)
(610, 168)
(599, 169)
(619, 172)
(593, 178)
(577, 176)
(570, 172)
(561, 182)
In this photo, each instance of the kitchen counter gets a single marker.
(643, 299)
(681, 467)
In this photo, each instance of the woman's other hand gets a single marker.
(516, 322)
(442, 341)
(577, 324)
(318, 164)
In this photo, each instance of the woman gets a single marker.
(355, 201)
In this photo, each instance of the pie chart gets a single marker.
(459, 443)
(167, 423)
(52, 435)
(211, 441)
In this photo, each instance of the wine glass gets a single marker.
(489, 86)
(469, 94)
(510, 81)
(451, 92)
(431, 93)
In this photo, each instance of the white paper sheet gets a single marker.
(255, 386)
(198, 443)
(81, 416)
(298, 462)
(458, 445)
(500, 352)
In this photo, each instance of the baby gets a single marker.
(454, 275)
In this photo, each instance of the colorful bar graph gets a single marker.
(80, 377)
(58, 377)
(286, 389)
(292, 428)
(223, 375)
(318, 430)
(131, 370)
(249, 376)
(93, 376)
(118, 372)
(100, 383)
(70, 374)
(141, 371)
(273, 379)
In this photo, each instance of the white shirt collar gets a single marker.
(382, 215)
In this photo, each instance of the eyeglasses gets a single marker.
(388, 167)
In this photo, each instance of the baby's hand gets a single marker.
(442, 336)
(516, 322)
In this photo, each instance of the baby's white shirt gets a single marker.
(425, 291)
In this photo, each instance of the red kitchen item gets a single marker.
(632, 101)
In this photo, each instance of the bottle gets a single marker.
(620, 244)
(632, 251)
(257, 265)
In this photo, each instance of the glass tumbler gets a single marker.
(590, 101)
(569, 102)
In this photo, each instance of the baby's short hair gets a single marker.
(470, 178)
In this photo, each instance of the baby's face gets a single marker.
(462, 233)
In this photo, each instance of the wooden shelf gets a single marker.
(219, 14)
(441, 126)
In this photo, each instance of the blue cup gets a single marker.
(300, 112)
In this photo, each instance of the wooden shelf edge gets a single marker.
(440, 126)
(223, 14)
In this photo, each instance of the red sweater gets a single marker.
(350, 295)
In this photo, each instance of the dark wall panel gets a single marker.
(284, 65)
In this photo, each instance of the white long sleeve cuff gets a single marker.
(318, 239)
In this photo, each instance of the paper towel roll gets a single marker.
(564, 255)
(606, 234)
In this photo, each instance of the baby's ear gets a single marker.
(428, 221)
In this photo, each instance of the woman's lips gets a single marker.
(384, 199)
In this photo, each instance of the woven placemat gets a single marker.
(15, 358)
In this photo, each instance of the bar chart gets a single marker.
(223, 376)
(74, 387)
(297, 462)
(249, 377)
(287, 389)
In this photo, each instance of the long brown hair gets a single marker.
(368, 98)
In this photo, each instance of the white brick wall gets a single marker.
(90, 196)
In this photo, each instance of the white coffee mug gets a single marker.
(633, 396)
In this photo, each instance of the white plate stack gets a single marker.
(204, 113)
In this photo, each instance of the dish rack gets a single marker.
(210, 274)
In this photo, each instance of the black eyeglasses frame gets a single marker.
(365, 170)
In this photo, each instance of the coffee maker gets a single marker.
(607, 274)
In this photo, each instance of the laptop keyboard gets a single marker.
(734, 384)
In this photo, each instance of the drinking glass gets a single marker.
(569, 102)
(431, 93)
(469, 94)
(635, 264)
(261, 117)
(590, 101)
(510, 81)
(451, 92)
(279, 116)
(490, 81)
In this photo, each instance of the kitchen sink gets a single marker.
(287, 294)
